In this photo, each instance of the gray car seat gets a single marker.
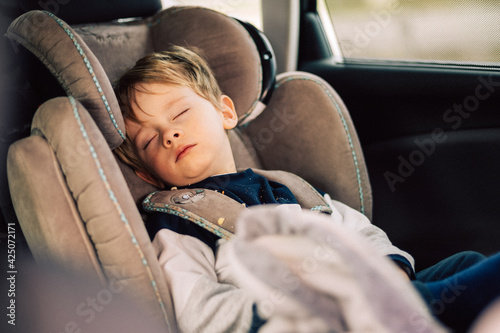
(78, 206)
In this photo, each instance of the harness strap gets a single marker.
(209, 209)
(217, 212)
(307, 196)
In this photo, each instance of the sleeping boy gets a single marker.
(177, 121)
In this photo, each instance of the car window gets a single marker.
(456, 31)
(245, 10)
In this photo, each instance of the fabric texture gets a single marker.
(245, 187)
(311, 275)
(203, 280)
(459, 287)
(94, 10)
(204, 294)
(32, 165)
(102, 225)
(249, 189)
(297, 131)
(74, 65)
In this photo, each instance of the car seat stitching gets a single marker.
(346, 129)
(117, 205)
(185, 214)
(91, 71)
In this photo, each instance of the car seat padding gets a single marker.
(74, 65)
(99, 201)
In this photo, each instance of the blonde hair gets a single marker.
(177, 66)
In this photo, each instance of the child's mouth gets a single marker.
(183, 151)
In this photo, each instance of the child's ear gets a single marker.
(146, 176)
(229, 116)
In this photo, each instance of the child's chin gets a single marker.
(189, 180)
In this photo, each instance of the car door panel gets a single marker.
(430, 135)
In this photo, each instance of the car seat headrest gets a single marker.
(84, 58)
(78, 71)
(76, 12)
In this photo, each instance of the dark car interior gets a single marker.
(442, 198)
(429, 133)
(428, 130)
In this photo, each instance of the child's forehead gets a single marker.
(167, 93)
(147, 93)
(148, 99)
(155, 88)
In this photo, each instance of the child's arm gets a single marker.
(201, 303)
(358, 222)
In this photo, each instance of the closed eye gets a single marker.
(180, 114)
(149, 141)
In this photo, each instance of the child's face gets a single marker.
(181, 136)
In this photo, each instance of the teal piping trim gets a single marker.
(117, 204)
(321, 208)
(90, 69)
(348, 134)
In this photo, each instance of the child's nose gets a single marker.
(170, 137)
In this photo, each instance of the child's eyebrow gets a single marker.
(170, 104)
